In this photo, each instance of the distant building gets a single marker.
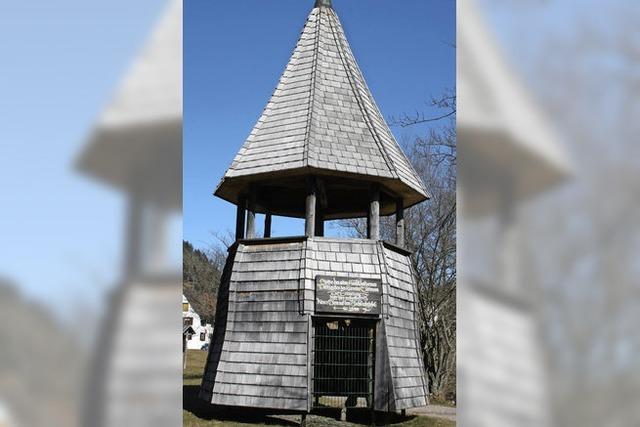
(202, 332)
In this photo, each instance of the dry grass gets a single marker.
(196, 360)
(197, 413)
(442, 402)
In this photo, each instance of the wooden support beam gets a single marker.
(400, 224)
(240, 218)
(323, 201)
(310, 217)
(251, 215)
(374, 213)
(319, 221)
(267, 225)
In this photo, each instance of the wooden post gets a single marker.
(184, 352)
(251, 215)
(319, 221)
(374, 213)
(303, 420)
(240, 218)
(310, 220)
(400, 226)
(267, 225)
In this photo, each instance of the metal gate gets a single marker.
(343, 362)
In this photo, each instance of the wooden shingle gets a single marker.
(260, 351)
(263, 357)
(322, 117)
(409, 380)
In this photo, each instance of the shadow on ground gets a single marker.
(203, 410)
(323, 416)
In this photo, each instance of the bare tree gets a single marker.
(431, 235)
(445, 104)
(202, 272)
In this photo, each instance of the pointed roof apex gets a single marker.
(322, 121)
(323, 3)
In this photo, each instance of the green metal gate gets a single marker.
(343, 362)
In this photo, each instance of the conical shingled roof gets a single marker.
(322, 119)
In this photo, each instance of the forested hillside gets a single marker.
(201, 277)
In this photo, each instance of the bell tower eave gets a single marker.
(283, 194)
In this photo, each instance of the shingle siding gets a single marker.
(405, 358)
(263, 361)
(259, 354)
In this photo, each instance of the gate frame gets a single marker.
(374, 324)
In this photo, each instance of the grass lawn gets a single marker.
(197, 413)
(196, 360)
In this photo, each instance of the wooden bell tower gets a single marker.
(310, 321)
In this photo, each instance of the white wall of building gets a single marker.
(203, 332)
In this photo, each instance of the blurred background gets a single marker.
(549, 236)
(91, 172)
(548, 210)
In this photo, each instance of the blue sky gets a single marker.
(235, 52)
(61, 233)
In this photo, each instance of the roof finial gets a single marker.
(323, 3)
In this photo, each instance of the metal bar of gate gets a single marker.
(343, 363)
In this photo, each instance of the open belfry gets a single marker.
(312, 321)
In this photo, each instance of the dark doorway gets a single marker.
(343, 362)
